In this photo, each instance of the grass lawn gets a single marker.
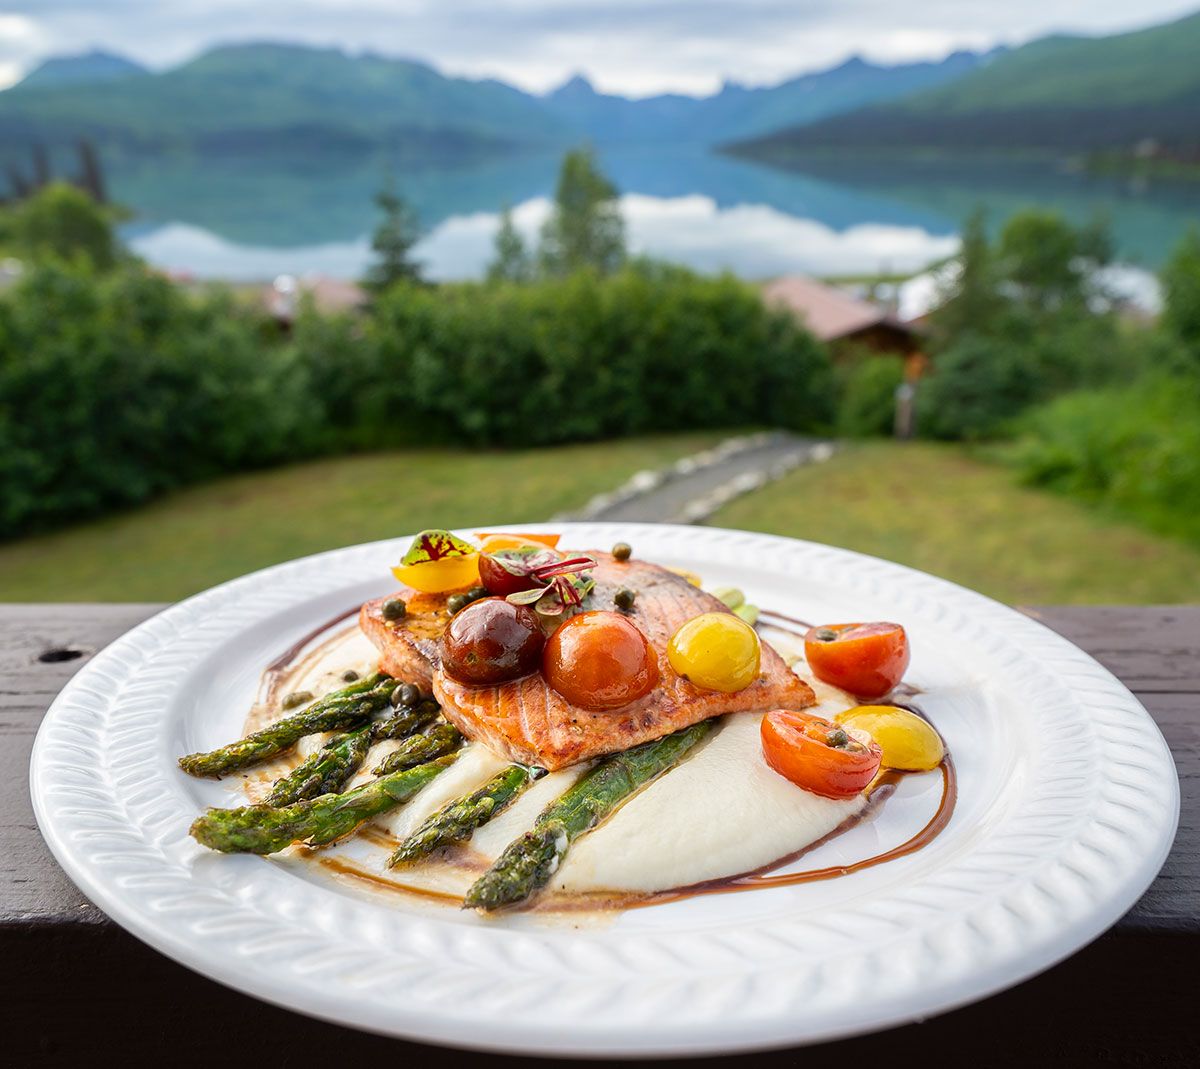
(195, 538)
(934, 508)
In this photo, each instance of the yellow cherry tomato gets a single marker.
(909, 743)
(717, 651)
(442, 575)
(691, 577)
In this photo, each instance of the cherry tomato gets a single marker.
(600, 660)
(504, 581)
(717, 651)
(867, 660)
(492, 641)
(820, 756)
(440, 576)
(907, 741)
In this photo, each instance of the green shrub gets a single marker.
(981, 383)
(867, 406)
(116, 387)
(588, 357)
(978, 385)
(60, 222)
(1134, 449)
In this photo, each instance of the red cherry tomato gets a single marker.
(600, 660)
(868, 660)
(509, 571)
(818, 755)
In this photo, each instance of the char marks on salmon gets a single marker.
(529, 722)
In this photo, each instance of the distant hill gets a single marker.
(274, 98)
(1057, 94)
(87, 69)
(262, 97)
(740, 112)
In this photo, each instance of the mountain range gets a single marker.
(1059, 94)
(1131, 92)
(259, 97)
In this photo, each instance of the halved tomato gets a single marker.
(867, 660)
(818, 755)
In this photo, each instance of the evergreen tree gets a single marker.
(512, 262)
(1181, 292)
(970, 301)
(585, 230)
(393, 242)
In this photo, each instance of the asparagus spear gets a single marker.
(528, 862)
(458, 820)
(325, 771)
(440, 739)
(259, 829)
(404, 721)
(341, 709)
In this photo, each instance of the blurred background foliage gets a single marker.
(117, 384)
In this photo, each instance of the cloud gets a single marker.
(631, 46)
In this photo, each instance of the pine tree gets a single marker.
(971, 301)
(393, 242)
(512, 262)
(585, 230)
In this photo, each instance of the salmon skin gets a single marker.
(527, 721)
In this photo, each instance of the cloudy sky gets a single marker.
(628, 46)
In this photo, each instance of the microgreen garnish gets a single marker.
(561, 584)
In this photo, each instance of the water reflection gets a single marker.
(251, 219)
(752, 240)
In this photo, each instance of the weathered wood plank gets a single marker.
(34, 640)
(1149, 648)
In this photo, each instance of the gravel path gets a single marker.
(694, 488)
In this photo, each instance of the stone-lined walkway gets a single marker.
(694, 488)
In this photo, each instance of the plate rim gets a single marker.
(572, 1038)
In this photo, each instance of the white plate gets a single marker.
(1068, 802)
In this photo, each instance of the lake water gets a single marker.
(245, 220)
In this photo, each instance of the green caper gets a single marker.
(624, 598)
(406, 694)
(297, 697)
(349, 675)
(477, 592)
(622, 551)
(394, 609)
(455, 603)
(837, 738)
(825, 634)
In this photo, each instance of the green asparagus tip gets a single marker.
(528, 863)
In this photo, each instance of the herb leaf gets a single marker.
(436, 545)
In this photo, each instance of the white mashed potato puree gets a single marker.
(721, 812)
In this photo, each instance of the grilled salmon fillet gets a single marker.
(527, 721)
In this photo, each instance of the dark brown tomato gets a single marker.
(492, 641)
